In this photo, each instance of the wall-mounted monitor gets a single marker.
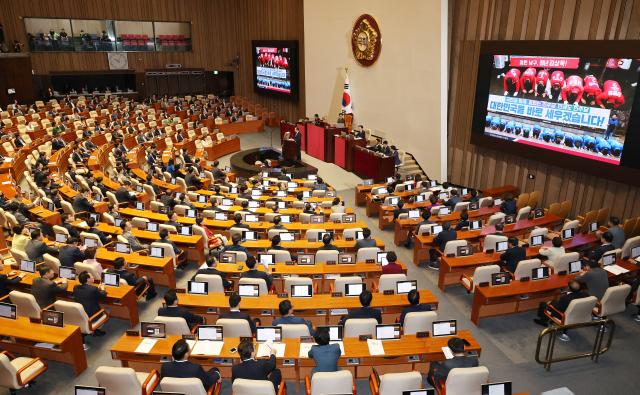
(275, 68)
(566, 103)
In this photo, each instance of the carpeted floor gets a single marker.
(508, 342)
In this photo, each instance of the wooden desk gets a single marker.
(50, 217)
(160, 269)
(241, 127)
(321, 309)
(361, 193)
(423, 243)
(321, 273)
(264, 244)
(121, 302)
(452, 268)
(367, 164)
(396, 358)
(20, 336)
(225, 147)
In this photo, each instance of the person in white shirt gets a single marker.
(90, 258)
(554, 252)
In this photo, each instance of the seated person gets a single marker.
(399, 210)
(326, 241)
(454, 199)
(237, 219)
(212, 262)
(595, 278)
(366, 240)
(606, 238)
(81, 203)
(253, 272)
(235, 246)
(36, 247)
(365, 311)
(441, 241)
(513, 255)
(181, 367)
(275, 243)
(286, 311)
(6, 283)
(554, 252)
(559, 304)
(617, 232)
(392, 267)
(181, 257)
(44, 289)
(134, 243)
(90, 259)
(120, 267)
(89, 296)
(212, 241)
(20, 238)
(325, 355)
(71, 253)
(509, 205)
(439, 371)
(464, 221)
(336, 205)
(67, 219)
(172, 309)
(415, 306)
(104, 238)
(499, 229)
(235, 313)
(276, 223)
(173, 220)
(320, 185)
(252, 369)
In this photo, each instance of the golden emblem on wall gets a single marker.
(366, 40)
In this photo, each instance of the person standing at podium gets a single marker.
(297, 137)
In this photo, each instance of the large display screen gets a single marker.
(552, 107)
(276, 67)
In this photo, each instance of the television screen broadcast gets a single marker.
(275, 67)
(578, 106)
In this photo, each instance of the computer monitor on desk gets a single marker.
(497, 388)
(85, 390)
(444, 328)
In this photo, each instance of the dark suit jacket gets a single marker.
(440, 370)
(254, 369)
(239, 315)
(512, 256)
(209, 270)
(298, 138)
(188, 369)
(122, 194)
(69, 255)
(258, 274)
(81, 203)
(35, 249)
(600, 250)
(45, 291)
(562, 303)
(413, 309)
(5, 282)
(181, 312)
(363, 312)
(89, 297)
(103, 237)
(509, 207)
(444, 237)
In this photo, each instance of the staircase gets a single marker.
(409, 166)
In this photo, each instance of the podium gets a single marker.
(321, 141)
(344, 150)
(368, 164)
(289, 150)
(286, 127)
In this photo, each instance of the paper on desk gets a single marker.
(45, 345)
(339, 311)
(331, 276)
(375, 347)
(83, 224)
(264, 349)
(191, 343)
(615, 270)
(305, 347)
(447, 352)
(207, 347)
(146, 345)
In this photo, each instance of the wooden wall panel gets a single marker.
(476, 20)
(220, 30)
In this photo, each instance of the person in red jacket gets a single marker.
(573, 89)
(557, 83)
(528, 80)
(512, 82)
(611, 96)
(392, 267)
(542, 78)
(591, 90)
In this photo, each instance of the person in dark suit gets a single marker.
(509, 205)
(255, 273)
(464, 221)
(44, 289)
(237, 219)
(326, 243)
(71, 253)
(91, 223)
(297, 137)
(366, 241)
(181, 258)
(211, 269)
(235, 313)
(513, 255)
(123, 195)
(120, 267)
(251, 369)
(415, 306)
(6, 282)
(181, 367)
(276, 223)
(172, 309)
(454, 199)
(235, 246)
(275, 243)
(365, 311)
(559, 304)
(89, 296)
(606, 246)
(399, 210)
(441, 241)
(192, 179)
(36, 247)
(439, 371)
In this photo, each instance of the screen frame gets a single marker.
(293, 46)
(627, 172)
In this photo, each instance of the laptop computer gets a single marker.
(503, 388)
(111, 279)
(61, 238)
(388, 332)
(156, 252)
(575, 267)
(301, 290)
(306, 259)
(335, 332)
(86, 390)
(90, 243)
(540, 273)
(502, 246)
(268, 333)
(152, 226)
(346, 258)
(8, 310)
(501, 278)
(185, 230)
(28, 266)
(197, 288)
(266, 259)
(444, 328)
(568, 234)
(536, 240)
(123, 248)
(67, 272)
(354, 289)
(210, 332)
(381, 258)
(404, 287)
(52, 318)
(250, 290)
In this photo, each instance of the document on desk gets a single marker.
(616, 270)
(447, 352)
(375, 347)
(305, 347)
(207, 347)
(264, 349)
(146, 345)
(82, 224)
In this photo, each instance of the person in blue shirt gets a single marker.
(487, 120)
(614, 122)
(536, 131)
(568, 139)
(510, 127)
(495, 123)
(577, 141)
(526, 131)
(325, 355)
(558, 136)
(547, 134)
(286, 311)
(502, 125)
(616, 148)
(602, 146)
(170, 167)
(518, 129)
(589, 142)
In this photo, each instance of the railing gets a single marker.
(604, 326)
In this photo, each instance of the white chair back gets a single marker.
(214, 281)
(388, 282)
(234, 327)
(367, 253)
(260, 282)
(174, 325)
(490, 242)
(579, 310)
(252, 387)
(466, 381)
(396, 383)
(418, 321)
(354, 327)
(525, 268)
(339, 283)
(294, 331)
(562, 262)
(324, 383)
(322, 256)
(187, 385)
(26, 304)
(613, 300)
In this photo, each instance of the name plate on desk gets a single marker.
(422, 334)
(331, 262)
(524, 279)
(339, 311)
(283, 295)
(266, 312)
(388, 292)
(349, 239)
(321, 312)
(132, 333)
(289, 263)
(370, 261)
(364, 338)
(489, 251)
(336, 294)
